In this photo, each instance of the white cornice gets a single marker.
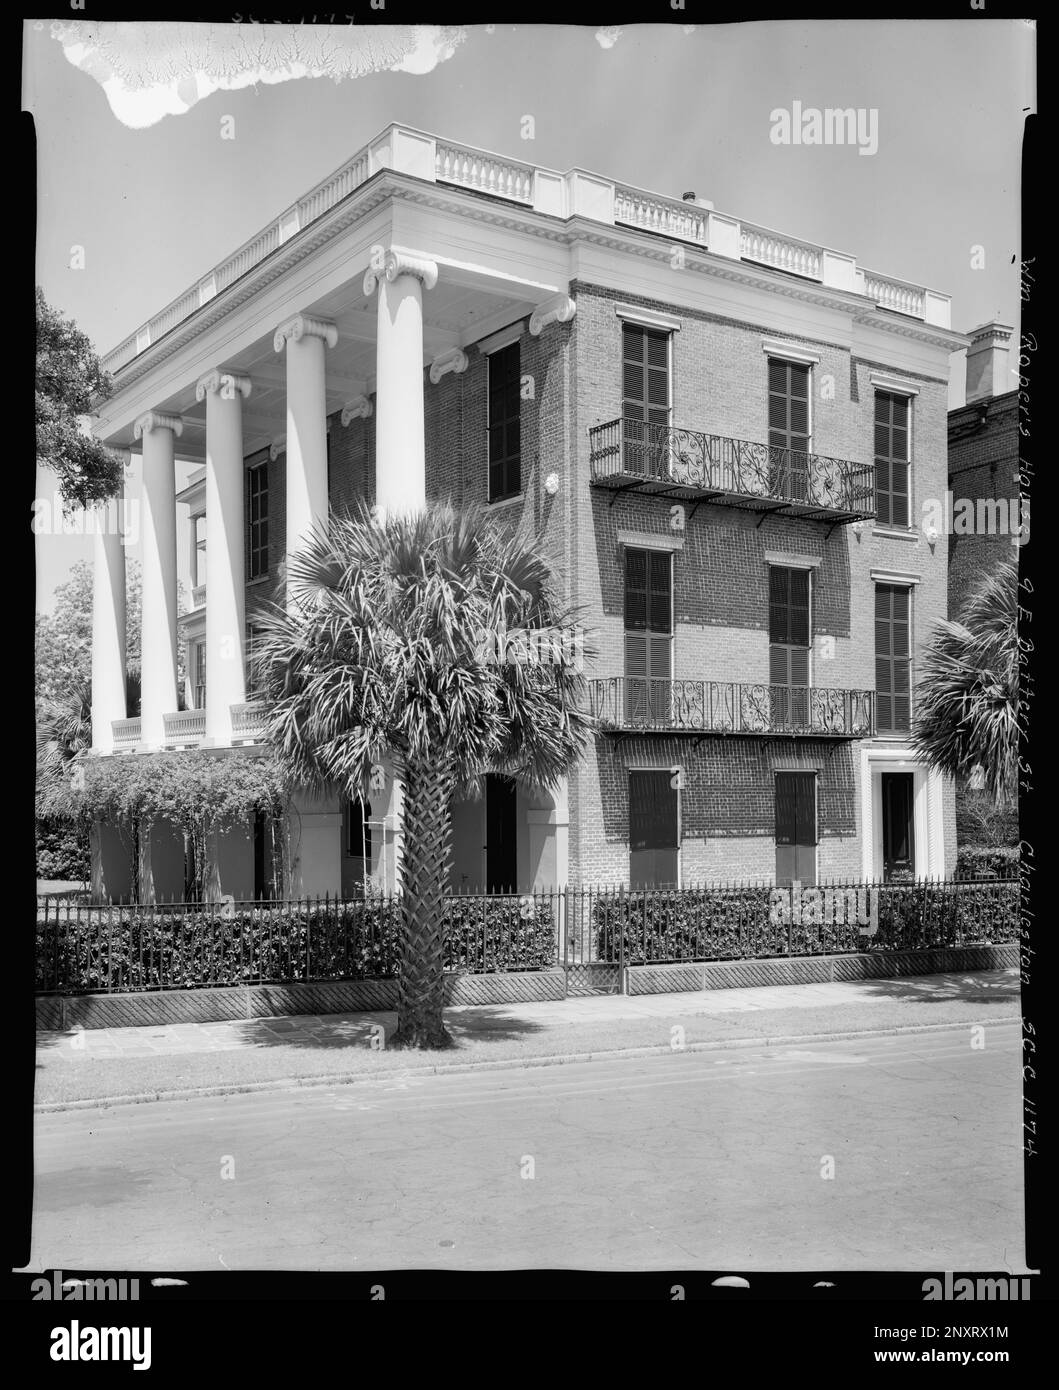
(893, 384)
(895, 577)
(495, 341)
(650, 318)
(790, 352)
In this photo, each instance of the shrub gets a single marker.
(62, 850)
(997, 861)
(136, 948)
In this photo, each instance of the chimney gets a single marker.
(988, 373)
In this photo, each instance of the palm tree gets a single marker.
(967, 698)
(391, 651)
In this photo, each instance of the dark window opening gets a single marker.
(796, 831)
(892, 465)
(501, 835)
(654, 830)
(899, 854)
(505, 423)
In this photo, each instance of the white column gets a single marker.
(225, 583)
(108, 626)
(306, 441)
(158, 642)
(400, 443)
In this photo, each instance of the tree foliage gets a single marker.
(390, 651)
(967, 697)
(70, 384)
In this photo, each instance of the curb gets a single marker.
(510, 1064)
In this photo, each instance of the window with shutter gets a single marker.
(505, 423)
(788, 428)
(893, 662)
(648, 635)
(654, 829)
(796, 831)
(257, 507)
(892, 459)
(645, 394)
(789, 645)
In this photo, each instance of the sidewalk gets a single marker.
(180, 1059)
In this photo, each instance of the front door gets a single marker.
(899, 841)
(501, 863)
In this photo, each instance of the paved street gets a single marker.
(687, 1160)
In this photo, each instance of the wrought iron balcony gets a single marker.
(631, 456)
(624, 703)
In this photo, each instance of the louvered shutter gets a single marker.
(788, 427)
(645, 391)
(796, 833)
(893, 658)
(892, 466)
(789, 641)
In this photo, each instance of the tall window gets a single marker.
(505, 423)
(253, 676)
(199, 553)
(654, 829)
(790, 641)
(796, 836)
(789, 428)
(200, 675)
(893, 659)
(645, 394)
(891, 459)
(648, 635)
(358, 821)
(257, 501)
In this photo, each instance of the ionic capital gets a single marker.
(302, 326)
(226, 384)
(559, 306)
(398, 261)
(452, 360)
(359, 408)
(155, 420)
(277, 447)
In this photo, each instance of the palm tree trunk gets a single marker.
(424, 883)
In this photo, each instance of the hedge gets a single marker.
(133, 948)
(741, 923)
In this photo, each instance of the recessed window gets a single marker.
(893, 660)
(796, 835)
(645, 396)
(648, 636)
(505, 423)
(654, 829)
(790, 642)
(254, 683)
(789, 427)
(257, 504)
(200, 675)
(199, 553)
(358, 829)
(892, 459)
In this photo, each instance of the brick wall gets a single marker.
(983, 464)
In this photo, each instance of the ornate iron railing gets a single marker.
(730, 707)
(737, 472)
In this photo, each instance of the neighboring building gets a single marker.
(725, 433)
(983, 465)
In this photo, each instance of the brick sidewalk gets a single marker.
(339, 1030)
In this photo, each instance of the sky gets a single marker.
(156, 200)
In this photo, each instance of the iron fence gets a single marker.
(115, 949)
